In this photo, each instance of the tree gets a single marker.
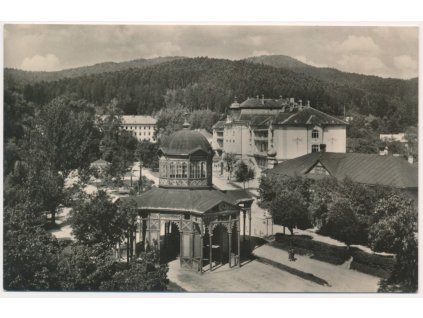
(395, 231)
(30, 253)
(170, 119)
(85, 267)
(342, 223)
(147, 153)
(65, 131)
(289, 209)
(244, 173)
(143, 274)
(118, 146)
(95, 219)
(229, 159)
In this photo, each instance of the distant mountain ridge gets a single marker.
(37, 76)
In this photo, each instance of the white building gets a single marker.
(268, 131)
(142, 127)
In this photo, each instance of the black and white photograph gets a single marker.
(210, 158)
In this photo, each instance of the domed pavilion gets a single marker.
(186, 216)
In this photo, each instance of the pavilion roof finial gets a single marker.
(186, 124)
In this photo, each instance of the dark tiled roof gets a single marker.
(362, 168)
(185, 142)
(262, 103)
(219, 125)
(182, 200)
(311, 116)
(239, 196)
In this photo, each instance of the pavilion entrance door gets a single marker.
(170, 243)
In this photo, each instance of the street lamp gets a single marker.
(140, 180)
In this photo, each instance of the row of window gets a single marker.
(179, 170)
(137, 127)
(139, 134)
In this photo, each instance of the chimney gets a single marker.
(322, 147)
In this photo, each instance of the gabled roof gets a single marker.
(262, 103)
(362, 168)
(239, 196)
(197, 201)
(310, 116)
(219, 125)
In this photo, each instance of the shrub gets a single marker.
(373, 264)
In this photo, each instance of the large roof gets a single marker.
(186, 142)
(138, 120)
(197, 201)
(370, 169)
(310, 116)
(262, 103)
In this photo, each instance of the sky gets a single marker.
(383, 51)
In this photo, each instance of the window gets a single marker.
(194, 170)
(172, 170)
(184, 170)
(164, 169)
(203, 170)
(315, 148)
(178, 170)
(315, 134)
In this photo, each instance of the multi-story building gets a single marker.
(142, 127)
(268, 131)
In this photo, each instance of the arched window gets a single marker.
(178, 170)
(203, 169)
(314, 134)
(172, 170)
(184, 170)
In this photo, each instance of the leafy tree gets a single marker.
(203, 119)
(244, 173)
(85, 267)
(395, 231)
(96, 219)
(66, 133)
(118, 146)
(147, 153)
(170, 119)
(30, 253)
(342, 223)
(143, 274)
(289, 209)
(230, 160)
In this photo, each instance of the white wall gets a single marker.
(335, 139)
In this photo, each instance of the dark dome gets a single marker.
(185, 142)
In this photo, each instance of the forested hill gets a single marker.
(32, 77)
(213, 83)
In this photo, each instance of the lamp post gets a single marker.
(140, 180)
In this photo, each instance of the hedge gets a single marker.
(305, 245)
(373, 264)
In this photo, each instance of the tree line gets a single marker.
(203, 83)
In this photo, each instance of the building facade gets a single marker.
(142, 127)
(268, 131)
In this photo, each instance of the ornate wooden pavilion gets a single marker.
(186, 216)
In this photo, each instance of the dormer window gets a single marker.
(315, 134)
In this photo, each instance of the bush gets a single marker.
(373, 264)
(305, 245)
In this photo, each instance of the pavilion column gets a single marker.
(239, 243)
(201, 253)
(230, 247)
(249, 226)
(211, 248)
(244, 214)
